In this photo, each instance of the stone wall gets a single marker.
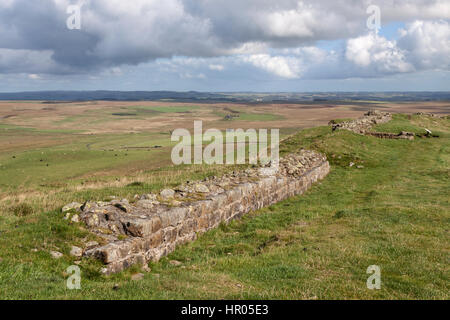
(154, 225)
(387, 135)
(365, 123)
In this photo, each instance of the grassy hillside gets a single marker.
(390, 209)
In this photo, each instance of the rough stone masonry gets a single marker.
(365, 123)
(154, 225)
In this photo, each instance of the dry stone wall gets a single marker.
(387, 135)
(155, 225)
(365, 123)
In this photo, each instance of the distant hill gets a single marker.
(249, 97)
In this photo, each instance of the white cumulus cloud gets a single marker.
(373, 51)
(285, 67)
(427, 44)
(197, 38)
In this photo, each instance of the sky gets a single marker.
(225, 45)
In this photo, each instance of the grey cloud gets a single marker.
(427, 44)
(117, 32)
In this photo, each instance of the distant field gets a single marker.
(392, 212)
(50, 153)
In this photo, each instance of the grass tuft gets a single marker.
(22, 210)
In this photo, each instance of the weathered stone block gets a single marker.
(189, 226)
(107, 254)
(169, 234)
(154, 240)
(173, 216)
(138, 227)
(157, 234)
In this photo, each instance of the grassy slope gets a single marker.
(394, 213)
(77, 167)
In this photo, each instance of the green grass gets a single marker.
(79, 167)
(393, 212)
(401, 123)
(166, 109)
(259, 117)
(75, 157)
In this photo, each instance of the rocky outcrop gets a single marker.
(154, 225)
(365, 123)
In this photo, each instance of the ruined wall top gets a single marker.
(365, 123)
(110, 219)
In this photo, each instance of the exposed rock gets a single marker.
(71, 206)
(365, 123)
(92, 220)
(201, 188)
(215, 189)
(147, 204)
(88, 205)
(148, 196)
(76, 251)
(167, 194)
(175, 203)
(56, 254)
(124, 206)
(91, 244)
(182, 188)
(75, 218)
(102, 203)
